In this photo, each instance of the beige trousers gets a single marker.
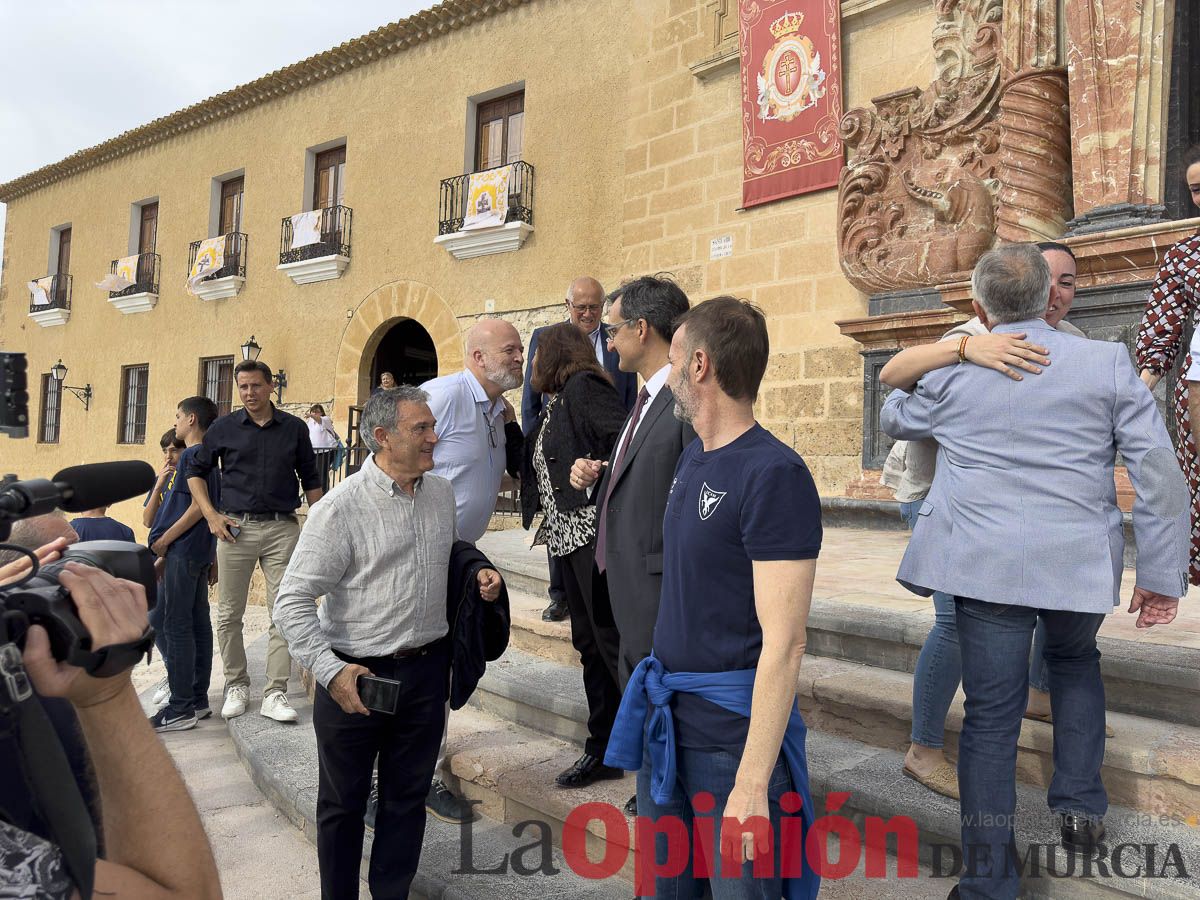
(269, 545)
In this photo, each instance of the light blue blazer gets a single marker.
(1023, 509)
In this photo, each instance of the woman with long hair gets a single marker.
(581, 420)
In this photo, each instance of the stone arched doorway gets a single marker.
(407, 351)
(375, 318)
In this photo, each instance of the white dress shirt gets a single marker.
(468, 425)
(381, 560)
(653, 386)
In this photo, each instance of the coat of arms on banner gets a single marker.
(487, 198)
(209, 258)
(125, 275)
(792, 79)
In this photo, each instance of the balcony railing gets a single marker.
(453, 204)
(235, 257)
(335, 237)
(59, 295)
(147, 276)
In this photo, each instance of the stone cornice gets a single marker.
(397, 37)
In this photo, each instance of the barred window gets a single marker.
(51, 410)
(216, 382)
(135, 382)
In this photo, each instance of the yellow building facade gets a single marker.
(630, 124)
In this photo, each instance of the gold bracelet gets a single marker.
(962, 348)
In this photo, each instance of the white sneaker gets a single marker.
(235, 702)
(162, 692)
(275, 706)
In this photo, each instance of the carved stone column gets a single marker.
(1118, 56)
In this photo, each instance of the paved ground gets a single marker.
(260, 854)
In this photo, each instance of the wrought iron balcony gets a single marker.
(453, 203)
(334, 237)
(146, 281)
(59, 295)
(235, 257)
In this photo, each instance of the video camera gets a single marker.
(39, 598)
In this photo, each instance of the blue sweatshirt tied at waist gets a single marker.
(631, 734)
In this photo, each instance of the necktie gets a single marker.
(618, 462)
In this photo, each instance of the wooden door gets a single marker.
(231, 205)
(147, 237)
(500, 131)
(63, 267)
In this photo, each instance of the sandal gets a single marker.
(942, 780)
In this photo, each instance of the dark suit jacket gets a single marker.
(532, 402)
(586, 421)
(634, 529)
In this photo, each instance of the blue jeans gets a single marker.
(188, 631)
(712, 771)
(995, 639)
(939, 667)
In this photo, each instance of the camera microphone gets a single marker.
(76, 489)
(102, 484)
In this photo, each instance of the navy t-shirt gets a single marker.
(752, 499)
(101, 529)
(197, 543)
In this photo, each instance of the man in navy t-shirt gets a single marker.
(741, 536)
(181, 536)
(95, 525)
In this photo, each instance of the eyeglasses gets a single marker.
(610, 331)
(491, 433)
(586, 308)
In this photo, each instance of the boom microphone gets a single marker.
(82, 488)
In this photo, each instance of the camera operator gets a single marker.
(156, 846)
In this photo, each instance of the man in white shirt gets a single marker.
(478, 438)
(631, 488)
(474, 440)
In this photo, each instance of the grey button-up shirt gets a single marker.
(380, 558)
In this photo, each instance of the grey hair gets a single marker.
(1012, 283)
(35, 532)
(382, 410)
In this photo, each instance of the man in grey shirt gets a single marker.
(378, 550)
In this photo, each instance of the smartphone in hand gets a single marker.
(379, 694)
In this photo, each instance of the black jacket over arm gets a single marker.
(587, 419)
(478, 629)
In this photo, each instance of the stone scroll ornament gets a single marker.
(791, 97)
(935, 178)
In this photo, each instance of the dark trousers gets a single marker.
(406, 745)
(557, 591)
(595, 637)
(995, 641)
(187, 626)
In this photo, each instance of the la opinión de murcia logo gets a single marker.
(834, 860)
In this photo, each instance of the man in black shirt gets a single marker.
(261, 451)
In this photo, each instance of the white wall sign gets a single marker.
(720, 247)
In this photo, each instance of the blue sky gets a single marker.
(78, 72)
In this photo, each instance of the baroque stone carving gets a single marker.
(933, 175)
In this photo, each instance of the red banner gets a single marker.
(791, 97)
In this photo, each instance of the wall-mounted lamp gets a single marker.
(59, 373)
(250, 352)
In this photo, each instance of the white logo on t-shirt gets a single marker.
(709, 500)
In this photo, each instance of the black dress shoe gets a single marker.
(1081, 832)
(631, 806)
(587, 769)
(953, 895)
(555, 612)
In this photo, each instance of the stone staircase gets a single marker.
(526, 722)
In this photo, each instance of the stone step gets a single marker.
(1149, 765)
(1150, 681)
(509, 770)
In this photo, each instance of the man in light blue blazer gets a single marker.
(1021, 522)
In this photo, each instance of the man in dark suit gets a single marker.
(585, 305)
(631, 487)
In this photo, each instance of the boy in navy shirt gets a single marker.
(180, 535)
(741, 535)
(95, 525)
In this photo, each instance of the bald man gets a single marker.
(585, 309)
(478, 438)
